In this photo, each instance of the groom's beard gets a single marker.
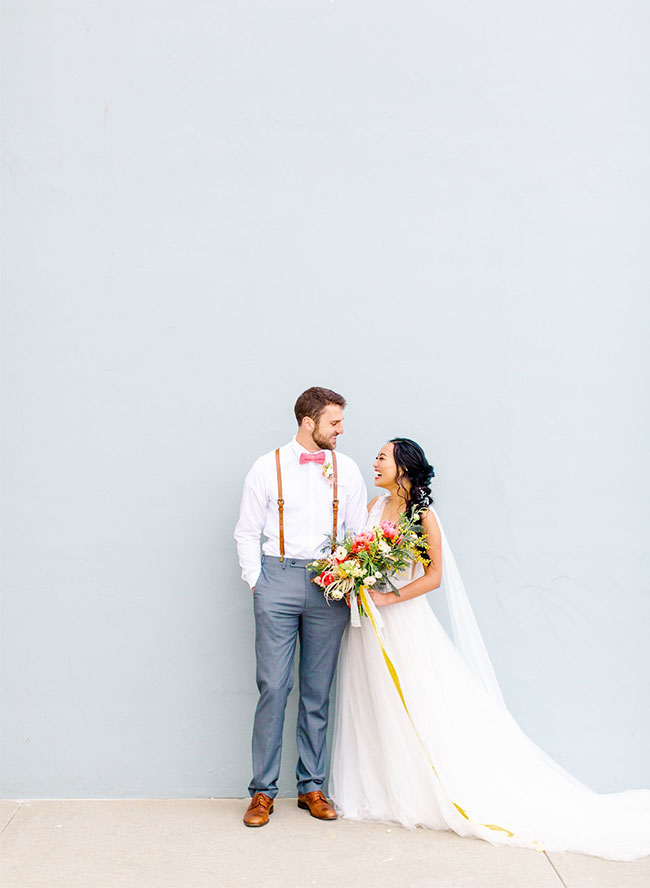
(322, 442)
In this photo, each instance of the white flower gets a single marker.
(378, 576)
(340, 553)
(337, 594)
(370, 581)
(383, 547)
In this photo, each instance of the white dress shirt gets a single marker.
(307, 495)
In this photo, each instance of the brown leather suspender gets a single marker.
(335, 501)
(280, 503)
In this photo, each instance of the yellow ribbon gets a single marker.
(396, 682)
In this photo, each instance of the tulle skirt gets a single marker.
(470, 752)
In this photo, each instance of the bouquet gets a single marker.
(361, 560)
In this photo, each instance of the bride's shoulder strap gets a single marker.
(430, 520)
(437, 518)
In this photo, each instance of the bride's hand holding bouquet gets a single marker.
(364, 560)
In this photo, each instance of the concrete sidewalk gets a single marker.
(196, 843)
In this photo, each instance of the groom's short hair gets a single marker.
(313, 401)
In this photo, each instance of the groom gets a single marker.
(294, 497)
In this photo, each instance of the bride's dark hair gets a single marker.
(413, 465)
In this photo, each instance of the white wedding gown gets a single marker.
(474, 756)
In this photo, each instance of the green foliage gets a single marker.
(370, 558)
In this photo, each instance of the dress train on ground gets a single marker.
(483, 761)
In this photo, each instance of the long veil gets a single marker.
(469, 641)
(467, 635)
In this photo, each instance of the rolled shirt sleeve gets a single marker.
(249, 528)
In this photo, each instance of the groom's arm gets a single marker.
(248, 532)
(356, 509)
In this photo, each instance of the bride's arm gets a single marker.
(432, 572)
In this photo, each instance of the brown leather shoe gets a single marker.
(259, 810)
(317, 805)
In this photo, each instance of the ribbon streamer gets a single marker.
(371, 610)
(370, 607)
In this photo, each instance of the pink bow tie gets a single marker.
(312, 457)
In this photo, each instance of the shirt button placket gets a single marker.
(310, 506)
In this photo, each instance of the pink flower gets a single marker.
(361, 542)
(389, 529)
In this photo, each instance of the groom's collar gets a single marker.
(297, 448)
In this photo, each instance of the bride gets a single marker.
(430, 742)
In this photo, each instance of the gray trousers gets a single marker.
(289, 606)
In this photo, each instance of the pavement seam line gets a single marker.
(555, 869)
(10, 819)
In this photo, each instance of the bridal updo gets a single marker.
(413, 465)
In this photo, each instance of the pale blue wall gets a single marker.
(440, 210)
